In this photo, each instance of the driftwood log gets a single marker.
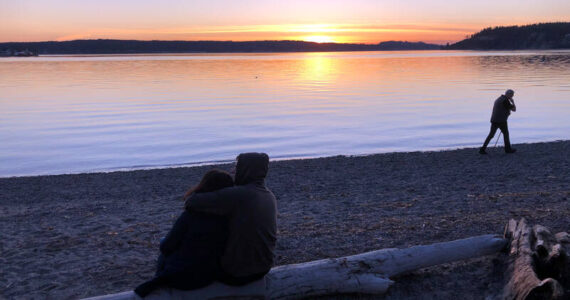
(367, 273)
(538, 262)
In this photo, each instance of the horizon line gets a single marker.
(434, 42)
(222, 41)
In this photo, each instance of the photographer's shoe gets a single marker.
(511, 151)
(482, 151)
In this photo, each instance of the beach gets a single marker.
(76, 236)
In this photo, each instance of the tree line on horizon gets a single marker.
(534, 36)
(107, 46)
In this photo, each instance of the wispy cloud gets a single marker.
(349, 32)
(300, 28)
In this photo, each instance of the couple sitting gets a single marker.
(227, 232)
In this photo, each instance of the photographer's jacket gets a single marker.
(251, 209)
(501, 110)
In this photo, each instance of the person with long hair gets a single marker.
(190, 253)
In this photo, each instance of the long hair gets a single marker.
(213, 180)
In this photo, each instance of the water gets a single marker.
(69, 114)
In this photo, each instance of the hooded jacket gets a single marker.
(252, 212)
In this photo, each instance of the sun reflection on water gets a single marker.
(319, 69)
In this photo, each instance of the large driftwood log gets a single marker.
(367, 273)
(538, 262)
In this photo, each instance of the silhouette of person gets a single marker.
(190, 253)
(501, 110)
(252, 211)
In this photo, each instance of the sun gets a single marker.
(319, 39)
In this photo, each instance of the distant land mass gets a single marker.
(105, 46)
(535, 36)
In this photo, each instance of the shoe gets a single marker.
(511, 151)
(482, 151)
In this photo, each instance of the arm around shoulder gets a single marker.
(221, 202)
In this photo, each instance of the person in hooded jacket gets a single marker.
(191, 251)
(251, 210)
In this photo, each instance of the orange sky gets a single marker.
(341, 33)
(357, 21)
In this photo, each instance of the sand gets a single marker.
(74, 236)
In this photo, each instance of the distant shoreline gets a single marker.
(508, 52)
(541, 36)
(107, 46)
(282, 52)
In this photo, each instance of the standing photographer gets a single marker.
(501, 111)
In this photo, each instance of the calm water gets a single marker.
(68, 114)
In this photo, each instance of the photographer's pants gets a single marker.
(504, 129)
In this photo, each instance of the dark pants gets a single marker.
(504, 129)
(238, 281)
(191, 281)
(179, 280)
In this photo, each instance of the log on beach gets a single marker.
(367, 273)
(538, 262)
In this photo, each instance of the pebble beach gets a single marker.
(83, 235)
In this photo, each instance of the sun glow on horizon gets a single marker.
(319, 39)
(361, 21)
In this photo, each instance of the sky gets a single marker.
(350, 21)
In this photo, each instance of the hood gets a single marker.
(251, 167)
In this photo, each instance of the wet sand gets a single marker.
(74, 236)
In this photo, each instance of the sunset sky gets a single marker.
(359, 21)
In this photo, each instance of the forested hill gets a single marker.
(536, 36)
(133, 46)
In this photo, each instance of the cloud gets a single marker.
(365, 33)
